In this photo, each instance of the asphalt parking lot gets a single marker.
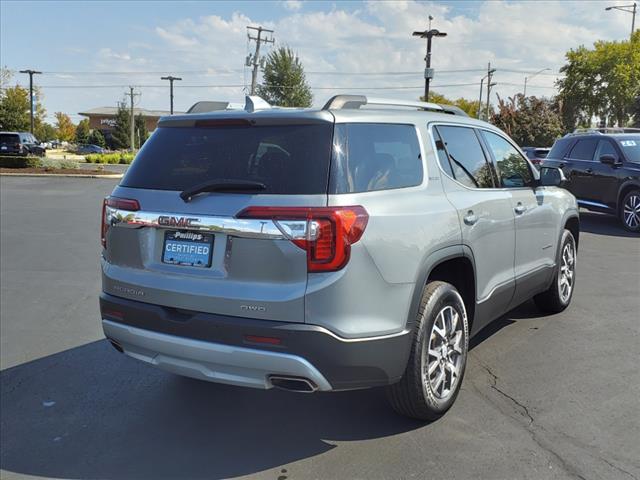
(544, 396)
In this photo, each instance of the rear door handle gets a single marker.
(520, 209)
(470, 218)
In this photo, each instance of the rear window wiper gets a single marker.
(221, 186)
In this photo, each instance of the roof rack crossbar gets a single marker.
(340, 102)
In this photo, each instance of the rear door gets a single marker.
(198, 255)
(580, 160)
(485, 213)
(536, 219)
(605, 177)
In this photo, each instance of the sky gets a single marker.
(91, 51)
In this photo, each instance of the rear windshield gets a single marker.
(631, 147)
(9, 138)
(288, 159)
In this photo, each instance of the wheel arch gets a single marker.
(624, 189)
(572, 224)
(453, 265)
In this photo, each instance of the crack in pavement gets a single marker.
(494, 386)
(544, 444)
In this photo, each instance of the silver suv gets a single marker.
(354, 246)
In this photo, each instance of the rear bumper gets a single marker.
(215, 347)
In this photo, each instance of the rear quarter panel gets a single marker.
(373, 295)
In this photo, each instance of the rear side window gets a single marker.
(369, 157)
(288, 159)
(559, 148)
(584, 149)
(512, 168)
(466, 158)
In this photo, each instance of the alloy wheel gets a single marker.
(567, 271)
(631, 211)
(442, 355)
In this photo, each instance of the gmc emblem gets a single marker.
(180, 222)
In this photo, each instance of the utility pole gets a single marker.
(480, 98)
(171, 80)
(490, 73)
(31, 74)
(254, 60)
(131, 94)
(428, 71)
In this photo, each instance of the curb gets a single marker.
(62, 175)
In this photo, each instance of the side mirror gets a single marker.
(609, 159)
(552, 177)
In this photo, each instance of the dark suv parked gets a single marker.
(603, 172)
(20, 143)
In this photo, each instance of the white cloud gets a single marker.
(368, 37)
(293, 5)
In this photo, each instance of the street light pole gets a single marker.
(535, 74)
(31, 74)
(632, 9)
(428, 72)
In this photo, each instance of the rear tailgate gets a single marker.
(197, 255)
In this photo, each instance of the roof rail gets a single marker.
(340, 102)
(602, 131)
(251, 104)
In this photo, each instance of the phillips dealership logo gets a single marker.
(180, 222)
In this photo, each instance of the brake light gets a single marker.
(326, 235)
(120, 204)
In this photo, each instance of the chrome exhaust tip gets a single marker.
(293, 384)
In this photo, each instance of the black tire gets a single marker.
(554, 299)
(629, 213)
(414, 396)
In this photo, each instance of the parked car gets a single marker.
(536, 155)
(603, 170)
(88, 149)
(20, 143)
(354, 246)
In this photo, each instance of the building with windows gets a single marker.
(104, 118)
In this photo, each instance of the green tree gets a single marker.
(65, 127)
(468, 106)
(45, 132)
(96, 138)
(603, 81)
(635, 111)
(141, 131)
(82, 131)
(14, 109)
(284, 82)
(530, 121)
(121, 135)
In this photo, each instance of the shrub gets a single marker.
(7, 161)
(113, 158)
(51, 164)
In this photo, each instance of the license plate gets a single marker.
(192, 249)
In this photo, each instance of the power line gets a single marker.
(387, 87)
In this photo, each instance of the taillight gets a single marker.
(325, 233)
(120, 204)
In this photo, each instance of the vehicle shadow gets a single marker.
(602, 224)
(92, 413)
